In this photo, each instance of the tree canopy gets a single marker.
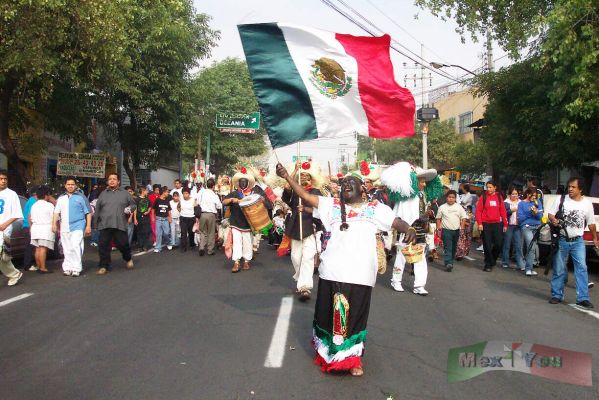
(224, 86)
(562, 36)
(442, 140)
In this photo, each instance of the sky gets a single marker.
(414, 30)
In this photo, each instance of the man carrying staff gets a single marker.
(112, 211)
(303, 241)
(347, 271)
(244, 185)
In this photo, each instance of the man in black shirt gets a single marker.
(162, 210)
(303, 244)
(244, 185)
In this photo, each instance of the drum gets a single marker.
(255, 212)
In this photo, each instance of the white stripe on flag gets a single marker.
(333, 116)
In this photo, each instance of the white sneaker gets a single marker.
(33, 268)
(169, 247)
(156, 250)
(480, 248)
(420, 291)
(93, 244)
(397, 287)
(75, 273)
(522, 268)
(67, 273)
(591, 284)
(14, 281)
(531, 273)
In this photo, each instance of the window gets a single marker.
(465, 120)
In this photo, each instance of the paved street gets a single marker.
(183, 327)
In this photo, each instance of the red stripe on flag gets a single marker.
(389, 107)
(574, 367)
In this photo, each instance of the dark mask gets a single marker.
(243, 183)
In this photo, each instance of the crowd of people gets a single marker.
(346, 227)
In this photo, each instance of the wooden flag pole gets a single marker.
(299, 180)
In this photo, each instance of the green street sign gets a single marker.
(238, 122)
(295, 159)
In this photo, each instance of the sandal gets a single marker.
(246, 265)
(236, 267)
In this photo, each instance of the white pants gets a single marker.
(8, 269)
(420, 268)
(72, 247)
(256, 240)
(302, 257)
(242, 245)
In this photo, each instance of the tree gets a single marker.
(42, 43)
(224, 86)
(520, 135)
(150, 105)
(442, 140)
(563, 36)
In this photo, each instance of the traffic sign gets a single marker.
(233, 120)
(236, 130)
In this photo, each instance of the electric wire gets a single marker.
(367, 30)
(372, 24)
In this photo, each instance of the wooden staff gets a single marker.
(299, 180)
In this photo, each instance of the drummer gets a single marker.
(303, 240)
(243, 185)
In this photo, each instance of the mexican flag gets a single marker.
(553, 363)
(317, 84)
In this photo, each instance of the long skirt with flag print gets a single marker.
(340, 325)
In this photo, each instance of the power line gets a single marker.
(372, 24)
(361, 26)
(405, 30)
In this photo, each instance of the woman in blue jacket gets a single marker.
(530, 212)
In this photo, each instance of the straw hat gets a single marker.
(311, 168)
(241, 174)
(427, 174)
(372, 172)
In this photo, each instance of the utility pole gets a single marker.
(490, 66)
(424, 126)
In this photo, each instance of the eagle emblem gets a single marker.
(330, 78)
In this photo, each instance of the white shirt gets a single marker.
(209, 201)
(186, 207)
(174, 211)
(350, 256)
(10, 207)
(466, 199)
(180, 191)
(514, 207)
(41, 220)
(451, 216)
(577, 214)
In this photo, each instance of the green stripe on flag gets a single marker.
(284, 101)
(462, 362)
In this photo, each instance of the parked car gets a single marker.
(548, 202)
(18, 241)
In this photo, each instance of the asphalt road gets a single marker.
(180, 326)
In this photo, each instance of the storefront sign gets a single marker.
(81, 165)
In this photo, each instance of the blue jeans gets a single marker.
(528, 232)
(175, 232)
(162, 231)
(513, 237)
(130, 230)
(577, 251)
(95, 236)
(450, 244)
